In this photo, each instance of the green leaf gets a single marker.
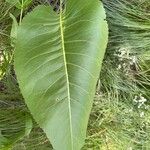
(14, 125)
(15, 3)
(14, 28)
(19, 3)
(26, 3)
(57, 62)
(3, 140)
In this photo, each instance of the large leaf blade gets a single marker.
(56, 54)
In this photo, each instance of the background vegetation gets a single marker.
(120, 118)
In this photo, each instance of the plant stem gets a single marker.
(21, 13)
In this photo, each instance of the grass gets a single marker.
(119, 120)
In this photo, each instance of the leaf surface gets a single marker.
(57, 62)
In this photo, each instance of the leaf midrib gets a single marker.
(66, 72)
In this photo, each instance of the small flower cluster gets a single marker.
(140, 102)
(122, 53)
(126, 59)
(133, 60)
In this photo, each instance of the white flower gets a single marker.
(135, 99)
(122, 51)
(119, 67)
(140, 104)
(142, 114)
(142, 99)
(124, 65)
(146, 107)
(134, 59)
